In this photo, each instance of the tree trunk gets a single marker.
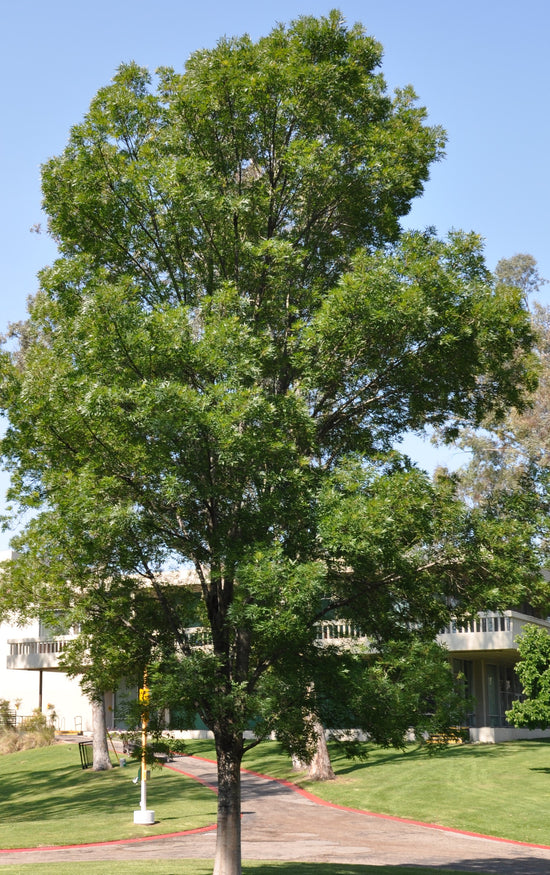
(228, 837)
(102, 760)
(320, 767)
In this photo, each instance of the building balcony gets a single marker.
(488, 632)
(483, 633)
(35, 654)
(339, 632)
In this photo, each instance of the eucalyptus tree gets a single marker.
(509, 457)
(234, 335)
(521, 271)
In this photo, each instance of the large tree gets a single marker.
(232, 338)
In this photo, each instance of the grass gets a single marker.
(47, 799)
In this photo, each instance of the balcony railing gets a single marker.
(332, 631)
(481, 623)
(36, 653)
(328, 631)
(488, 631)
(28, 646)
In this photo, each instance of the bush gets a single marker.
(9, 740)
(7, 715)
(159, 740)
(33, 731)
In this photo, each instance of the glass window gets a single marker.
(493, 704)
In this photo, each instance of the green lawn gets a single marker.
(46, 798)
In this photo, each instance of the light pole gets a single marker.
(144, 815)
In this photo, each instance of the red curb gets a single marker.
(478, 835)
(169, 835)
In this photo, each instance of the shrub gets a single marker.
(33, 731)
(7, 715)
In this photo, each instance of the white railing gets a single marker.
(489, 630)
(481, 623)
(33, 646)
(325, 632)
(36, 653)
(338, 630)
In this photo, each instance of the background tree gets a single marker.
(521, 272)
(509, 461)
(234, 335)
(516, 447)
(533, 670)
(64, 575)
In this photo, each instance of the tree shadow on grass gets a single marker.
(495, 866)
(351, 869)
(57, 793)
(344, 766)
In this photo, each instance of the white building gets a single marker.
(484, 651)
(30, 678)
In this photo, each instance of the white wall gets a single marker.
(71, 706)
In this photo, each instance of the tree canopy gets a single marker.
(235, 334)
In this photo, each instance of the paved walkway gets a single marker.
(280, 823)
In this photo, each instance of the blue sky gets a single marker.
(481, 68)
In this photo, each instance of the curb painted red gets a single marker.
(477, 835)
(169, 835)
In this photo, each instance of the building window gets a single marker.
(503, 688)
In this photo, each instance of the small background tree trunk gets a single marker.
(320, 767)
(102, 760)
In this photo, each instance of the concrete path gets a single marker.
(280, 823)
